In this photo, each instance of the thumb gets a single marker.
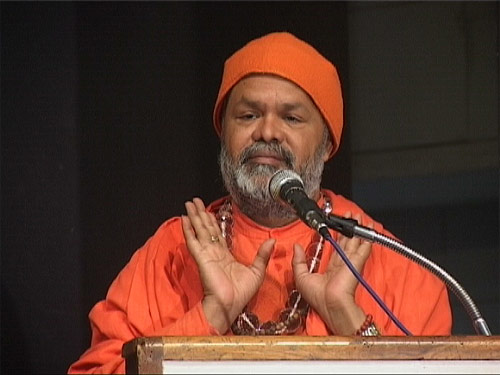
(299, 263)
(263, 255)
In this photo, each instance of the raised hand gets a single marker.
(228, 285)
(331, 294)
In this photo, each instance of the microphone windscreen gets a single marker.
(279, 179)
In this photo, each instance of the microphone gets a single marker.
(287, 187)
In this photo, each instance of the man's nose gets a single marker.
(268, 129)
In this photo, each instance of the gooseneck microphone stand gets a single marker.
(350, 228)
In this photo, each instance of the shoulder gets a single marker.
(169, 237)
(342, 205)
(156, 251)
(381, 257)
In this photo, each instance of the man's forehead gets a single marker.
(268, 77)
(253, 88)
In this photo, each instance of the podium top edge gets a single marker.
(174, 343)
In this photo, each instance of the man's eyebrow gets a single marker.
(288, 106)
(294, 105)
(249, 102)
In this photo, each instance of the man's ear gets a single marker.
(327, 142)
(328, 150)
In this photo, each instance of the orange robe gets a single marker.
(159, 292)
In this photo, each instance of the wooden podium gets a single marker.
(314, 355)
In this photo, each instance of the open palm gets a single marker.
(331, 294)
(228, 285)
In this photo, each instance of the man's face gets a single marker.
(270, 124)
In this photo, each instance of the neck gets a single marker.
(273, 222)
(269, 216)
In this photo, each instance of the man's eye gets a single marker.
(292, 119)
(248, 116)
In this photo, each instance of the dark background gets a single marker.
(106, 132)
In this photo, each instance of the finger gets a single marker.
(202, 232)
(215, 224)
(216, 231)
(187, 229)
(358, 251)
(192, 213)
(202, 212)
(342, 241)
(364, 250)
(352, 243)
(198, 202)
(189, 235)
(207, 218)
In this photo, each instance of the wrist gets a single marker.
(345, 320)
(215, 316)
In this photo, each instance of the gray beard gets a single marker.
(248, 182)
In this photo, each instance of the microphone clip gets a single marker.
(342, 225)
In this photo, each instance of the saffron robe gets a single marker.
(159, 293)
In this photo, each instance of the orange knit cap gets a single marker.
(284, 55)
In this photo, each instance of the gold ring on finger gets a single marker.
(214, 238)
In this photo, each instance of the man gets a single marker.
(246, 264)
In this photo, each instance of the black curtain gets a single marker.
(106, 131)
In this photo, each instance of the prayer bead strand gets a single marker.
(292, 317)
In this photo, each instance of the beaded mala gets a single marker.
(292, 317)
(368, 328)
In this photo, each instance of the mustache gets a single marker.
(271, 148)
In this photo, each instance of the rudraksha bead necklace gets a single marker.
(292, 317)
